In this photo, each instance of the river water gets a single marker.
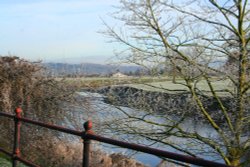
(95, 109)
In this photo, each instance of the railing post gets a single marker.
(16, 148)
(86, 143)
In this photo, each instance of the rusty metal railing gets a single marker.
(87, 135)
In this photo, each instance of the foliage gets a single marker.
(25, 84)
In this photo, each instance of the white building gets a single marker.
(119, 75)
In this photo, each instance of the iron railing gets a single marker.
(87, 135)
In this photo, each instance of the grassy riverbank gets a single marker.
(220, 86)
(154, 84)
(6, 161)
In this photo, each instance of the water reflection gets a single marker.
(96, 109)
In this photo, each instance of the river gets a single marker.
(94, 108)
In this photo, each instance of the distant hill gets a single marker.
(86, 69)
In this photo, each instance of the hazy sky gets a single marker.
(55, 29)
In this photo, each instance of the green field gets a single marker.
(108, 81)
(158, 84)
(170, 87)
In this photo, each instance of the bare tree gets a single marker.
(193, 36)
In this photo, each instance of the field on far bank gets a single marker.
(95, 82)
(158, 84)
(220, 86)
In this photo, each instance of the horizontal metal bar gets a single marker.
(51, 126)
(42, 124)
(26, 162)
(157, 152)
(153, 151)
(5, 152)
(7, 115)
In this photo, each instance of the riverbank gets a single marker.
(178, 103)
(4, 160)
